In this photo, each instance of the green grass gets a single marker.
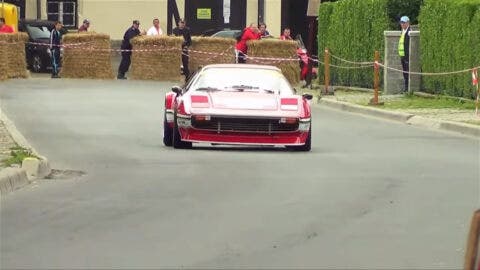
(18, 154)
(415, 102)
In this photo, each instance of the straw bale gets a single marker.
(161, 59)
(211, 50)
(3, 58)
(12, 55)
(87, 55)
(273, 48)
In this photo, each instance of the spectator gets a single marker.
(404, 49)
(84, 26)
(55, 44)
(155, 30)
(5, 28)
(131, 32)
(183, 30)
(286, 34)
(241, 48)
(263, 30)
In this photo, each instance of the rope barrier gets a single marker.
(426, 73)
(350, 62)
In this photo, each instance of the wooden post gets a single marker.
(477, 102)
(327, 70)
(472, 242)
(376, 78)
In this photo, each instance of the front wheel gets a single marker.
(177, 139)
(37, 64)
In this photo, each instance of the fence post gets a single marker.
(327, 70)
(376, 78)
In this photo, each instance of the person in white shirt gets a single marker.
(155, 30)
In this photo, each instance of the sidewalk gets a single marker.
(455, 118)
(18, 175)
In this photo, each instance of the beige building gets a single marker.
(113, 17)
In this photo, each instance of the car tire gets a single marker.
(177, 140)
(37, 64)
(167, 133)
(307, 146)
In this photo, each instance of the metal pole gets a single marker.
(3, 9)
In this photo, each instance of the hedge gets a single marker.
(353, 30)
(450, 41)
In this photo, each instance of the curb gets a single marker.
(12, 179)
(407, 118)
(15, 178)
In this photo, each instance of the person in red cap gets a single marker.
(241, 48)
(5, 28)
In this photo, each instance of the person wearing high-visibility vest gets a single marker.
(404, 49)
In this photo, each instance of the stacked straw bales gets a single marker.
(211, 50)
(87, 55)
(12, 56)
(274, 48)
(156, 58)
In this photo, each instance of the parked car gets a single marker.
(221, 32)
(237, 104)
(37, 49)
(227, 33)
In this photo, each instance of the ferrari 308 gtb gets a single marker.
(237, 104)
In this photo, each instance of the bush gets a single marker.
(449, 42)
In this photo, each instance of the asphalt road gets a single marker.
(371, 194)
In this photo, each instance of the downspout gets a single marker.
(39, 9)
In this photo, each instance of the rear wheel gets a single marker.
(167, 133)
(307, 146)
(177, 140)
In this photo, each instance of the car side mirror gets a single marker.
(177, 90)
(307, 96)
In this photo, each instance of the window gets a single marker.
(64, 11)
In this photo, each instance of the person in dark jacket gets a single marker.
(183, 30)
(55, 44)
(241, 48)
(404, 49)
(131, 32)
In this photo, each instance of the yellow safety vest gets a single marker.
(401, 44)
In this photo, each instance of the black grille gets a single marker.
(256, 125)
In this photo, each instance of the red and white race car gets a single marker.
(237, 104)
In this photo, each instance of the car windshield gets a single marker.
(242, 79)
(38, 32)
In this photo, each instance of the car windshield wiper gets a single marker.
(269, 91)
(208, 89)
(242, 87)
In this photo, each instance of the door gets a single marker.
(204, 16)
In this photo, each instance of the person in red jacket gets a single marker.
(241, 48)
(5, 28)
